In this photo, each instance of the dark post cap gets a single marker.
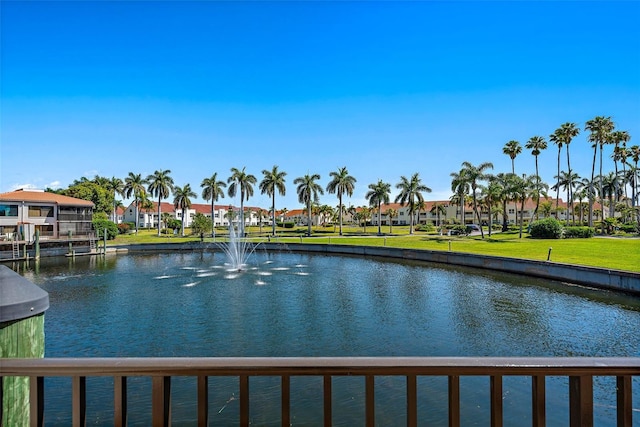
(19, 298)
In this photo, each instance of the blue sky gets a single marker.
(383, 88)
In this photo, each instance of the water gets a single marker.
(283, 304)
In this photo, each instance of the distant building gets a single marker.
(23, 212)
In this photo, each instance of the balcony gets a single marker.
(579, 371)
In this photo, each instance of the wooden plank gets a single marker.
(120, 401)
(496, 401)
(412, 401)
(328, 413)
(79, 401)
(624, 398)
(244, 400)
(454, 401)
(538, 401)
(36, 401)
(370, 399)
(203, 400)
(161, 401)
(286, 400)
(581, 401)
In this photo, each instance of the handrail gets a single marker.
(580, 372)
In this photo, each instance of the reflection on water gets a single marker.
(186, 304)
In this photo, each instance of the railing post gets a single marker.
(370, 398)
(161, 401)
(120, 401)
(328, 416)
(286, 401)
(203, 400)
(412, 401)
(538, 401)
(79, 402)
(496, 401)
(244, 400)
(454, 401)
(36, 401)
(624, 401)
(581, 401)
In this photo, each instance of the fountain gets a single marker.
(237, 250)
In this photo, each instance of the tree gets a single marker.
(460, 187)
(610, 190)
(377, 195)
(182, 200)
(600, 128)
(522, 190)
(341, 183)
(438, 209)
(536, 144)
(240, 180)
(512, 149)
(160, 185)
(391, 213)
(491, 195)
(116, 187)
(89, 190)
(568, 181)
(474, 174)
(134, 185)
(410, 193)
(200, 224)
(273, 181)
(507, 183)
(616, 138)
(212, 189)
(564, 135)
(365, 215)
(635, 156)
(308, 192)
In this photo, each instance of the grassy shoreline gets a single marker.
(618, 253)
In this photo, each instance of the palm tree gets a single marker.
(341, 183)
(410, 193)
(243, 181)
(634, 151)
(568, 181)
(600, 128)
(473, 174)
(507, 183)
(283, 214)
(536, 144)
(610, 190)
(460, 187)
(377, 195)
(308, 192)
(522, 190)
(134, 185)
(273, 181)
(491, 194)
(365, 214)
(160, 184)
(438, 209)
(391, 213)
(182, 200)
(116, 187)
(616, 138)
(212, 190)
(512, 149)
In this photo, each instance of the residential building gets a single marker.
(24, 212)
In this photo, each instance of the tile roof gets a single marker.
(43, 197)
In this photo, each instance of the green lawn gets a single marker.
(620, 253)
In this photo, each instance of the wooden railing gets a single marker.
(580, 372)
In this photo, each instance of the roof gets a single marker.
(35, 196)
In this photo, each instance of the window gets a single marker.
(8, 210)
(512, 211)
(41, 211)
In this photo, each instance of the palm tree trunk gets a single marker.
(379, 219)
(273, 213)
(558, 183)
(309, 218)
(213, 219)
(340, 207)
(601, 198)
(570, 193)
(591, 195)
(159, 213)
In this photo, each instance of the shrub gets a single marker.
(548, 228)
(578, 232)
(100, 225)
(289, 224)
(124, 227)
(629, 228)
(458, 229)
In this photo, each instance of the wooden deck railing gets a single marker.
(580, 372)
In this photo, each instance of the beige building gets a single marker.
(23, 212)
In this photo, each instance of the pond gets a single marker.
(293, 304)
